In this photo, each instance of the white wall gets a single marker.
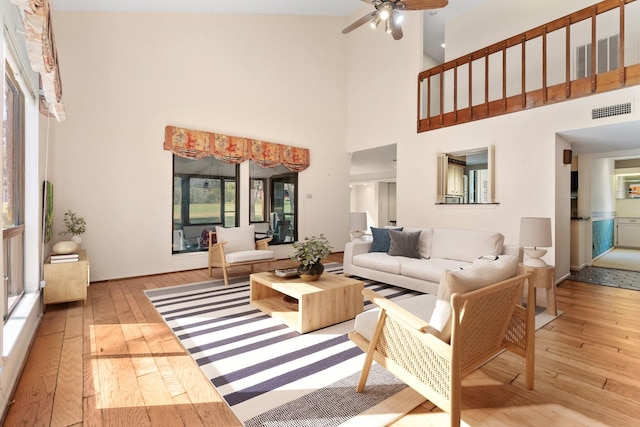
(507, 18)
(530, 177)
(128, 75)
(603, 203)
(382, 75)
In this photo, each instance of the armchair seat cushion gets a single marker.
(248, 256)
(421, 305)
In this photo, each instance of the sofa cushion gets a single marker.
(248, 256)
(404, 243)
(238, 238)
(461, 281)
(380, 262)
(381, 239)
(421, 306)
(430, 269)
(465, 245)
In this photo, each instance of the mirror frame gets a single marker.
(441, 181)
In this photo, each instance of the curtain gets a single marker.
(196, 144)
(41, 49)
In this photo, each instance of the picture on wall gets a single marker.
(47, 212)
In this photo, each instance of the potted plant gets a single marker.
(74, 226)
(309, 254)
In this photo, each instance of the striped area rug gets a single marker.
(268, 373)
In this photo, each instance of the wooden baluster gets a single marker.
(621, 68)
(470, 88)
(593, 49)
(524, 82)
(544, 64)
(567, 63)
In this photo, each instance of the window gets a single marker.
(273, 203)
(12, 192)
(256, 200)
(606, 56)
(204, 195)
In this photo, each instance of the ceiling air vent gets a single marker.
(611, 110)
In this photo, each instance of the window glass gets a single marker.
(12, 192)
(273, 203)
(256, 200)
(204, 195)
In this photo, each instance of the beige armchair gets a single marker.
(230, 247)
(484, 322)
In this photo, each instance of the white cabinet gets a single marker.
(455, 180)
(629, 232)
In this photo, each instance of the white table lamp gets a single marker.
(535, 233)
(357, 224)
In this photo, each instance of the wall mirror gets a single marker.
(466, 177)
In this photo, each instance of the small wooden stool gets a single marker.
(543, 278)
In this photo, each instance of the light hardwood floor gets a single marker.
(113, 362)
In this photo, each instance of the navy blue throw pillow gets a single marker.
(381, 239)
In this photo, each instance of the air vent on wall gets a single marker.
(611, 110)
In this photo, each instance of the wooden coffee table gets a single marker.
(329, 300)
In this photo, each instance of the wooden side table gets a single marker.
(543, 278)
(66, 282)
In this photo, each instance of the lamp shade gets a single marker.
(535, 232)
(357, 221)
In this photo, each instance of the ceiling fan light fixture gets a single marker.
(387, 26)
(385, 11)
(375, 22)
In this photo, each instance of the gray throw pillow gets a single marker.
(404, 243)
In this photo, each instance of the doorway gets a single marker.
(600, 155)
(373, 185)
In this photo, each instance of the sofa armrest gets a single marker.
(354, 248)
(515, 250)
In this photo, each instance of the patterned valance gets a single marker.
(196, 144)
(42, 53)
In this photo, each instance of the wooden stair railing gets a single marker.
(439, 87)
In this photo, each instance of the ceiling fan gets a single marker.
(389, 12)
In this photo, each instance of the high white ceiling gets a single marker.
(277, 7)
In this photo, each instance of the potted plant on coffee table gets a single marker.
(309, 254)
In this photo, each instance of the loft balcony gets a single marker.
(594, 50)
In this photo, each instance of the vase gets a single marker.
(65, 247)
(77, 239)
(310, 272)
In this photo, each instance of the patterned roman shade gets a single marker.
(41, 49)
(196, 144)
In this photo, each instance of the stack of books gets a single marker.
(64, 258)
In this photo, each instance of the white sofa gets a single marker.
(438, 250)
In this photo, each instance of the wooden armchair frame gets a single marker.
(485, 322)
(217, 256)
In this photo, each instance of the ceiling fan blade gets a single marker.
(396, 30)
(365, 19)
(424, 4)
